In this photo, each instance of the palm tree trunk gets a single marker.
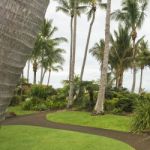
(141, 80)
(20, 23)
(99, 107)
(43, 75)
(34, 71)
(71, 38)
(134, 79)
(117, 78)
(87, 44)
(28, 71)
(134, 62)
(120, 84)
(49, 77)
(71, 90)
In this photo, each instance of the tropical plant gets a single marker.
(97, 51)
(46, 51)
(121, 56)
(141, 121)
(133, 15)
(15, 47)
(99, 107)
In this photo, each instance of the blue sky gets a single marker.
(92, 68)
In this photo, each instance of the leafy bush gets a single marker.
(37, 104)
(40, 107)
(41, 91)
(28, 104)
(110, 105)
(141, 121)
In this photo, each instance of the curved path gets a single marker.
(139, 142)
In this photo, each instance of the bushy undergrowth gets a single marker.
(45, 98)
(117, 101)
(141, 121)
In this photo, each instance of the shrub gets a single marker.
(141, 121)
(125, 104)
(117, 111)
(40, 107)
(28, 104)
(41, 91)
(110, 105)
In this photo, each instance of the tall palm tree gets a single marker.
(73, 9)
(143, 59)
(91, 16)
(20, 23)
(67, 7)
(99, 107)
(76, 11)
(133, 15)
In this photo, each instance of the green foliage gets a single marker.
(41, 91)
(110, 105)
(141, 121)
(45, 98)
(120, 101)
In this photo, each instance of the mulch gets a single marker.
(139, 142)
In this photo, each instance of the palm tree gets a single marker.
(133, 15)
(97, 51)
(47, 35)
(91, 16)
(35, 55)
(143, 59)
(67, 7)
(15, 47)
(53, 60)
(73, 9)
(99, 107)
(44, 46)
(121, 56)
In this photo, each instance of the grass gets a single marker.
(114, 122)
(19, 111)
(36, 138)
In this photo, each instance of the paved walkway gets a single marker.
(139, 142)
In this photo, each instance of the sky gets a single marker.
(62, 22)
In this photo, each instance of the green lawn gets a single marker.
(36, 138)
(114, 122)
(19, 111)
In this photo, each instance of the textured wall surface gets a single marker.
(20, 22)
